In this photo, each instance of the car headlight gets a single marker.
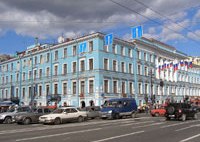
(110, 111)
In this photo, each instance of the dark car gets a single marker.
(180, 111)
(33, 116)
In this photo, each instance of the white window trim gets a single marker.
(88, 85)
(80, 64)
(64, 52)
(54, 69)
(124, 66)
(116, 65)
(117, 85)
(39, 90)
(72, 66)
(108, 63)
(54, 88)
(88, 63)
(108, 85)
(63, 68)
(63, 88)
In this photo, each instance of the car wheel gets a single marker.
(133, 115)
(80, 119)
(117, 116)
(170, 110)
(27, 121)
(157, 114)
(57, 121)
(8, 120)
(183, 117)
(195, 116)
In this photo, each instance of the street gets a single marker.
(142, 129)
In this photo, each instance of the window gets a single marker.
(47, 71)
(145, 71)
(23, 76)
(114, 65)
(56, 70)
(11, 66)
(65, 52)
(74, 67)
(139, 70)
(29, 74)
(11, 78)
(106, 64)
(105, 48)
(91, 86)
(74, 88)
(74, 50)
(130, 68)
(123, 88)
(17, 75)
(47, 90)
(122, 66)
(82, 65)
(139, 54)
(65, 88)
(106, 86)
(40, 73)
(114, 49)
(47, 59)
(23, 93)
(40, 90)
(55, 89)
(56, 55)
(140, 88)
(131, 88)
(90, 46)
(151, 58)
(115, 87)
(129, 52)
(35, 74)
(146, 88)
(7, 67)
(145, 56)
(24, 63)
(90, 64)
(41, 59)
(123, 51)
(64, 69)
(82, 87)
(17, 92)
(6, 79)
(35, 60)
(3, 80)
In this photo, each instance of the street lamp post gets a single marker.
(151, 87)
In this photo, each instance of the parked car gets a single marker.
(62, 115)
(180, 111)
(117, 108)
(9, 116)
(32, 116)
(5, 105)
(159, 111)
(92, 111)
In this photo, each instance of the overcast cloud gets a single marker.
(44, 18)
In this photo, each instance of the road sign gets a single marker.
(136, 32)
(108, 39)
(82, 47)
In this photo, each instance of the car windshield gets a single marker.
(111, 104)
(58, 111)
(11, 110)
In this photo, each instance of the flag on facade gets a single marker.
(168, 66)
(171, 64)
(159, 68)
(186, 64)
(175, 67)
(190, 64)
(181, 63)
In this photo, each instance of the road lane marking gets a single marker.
(54, 135)
(149, 125)
(198, 125)
(120, 136)
(187, 139)
(166, 126)
(136, 123)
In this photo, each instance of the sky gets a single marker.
(174, 22)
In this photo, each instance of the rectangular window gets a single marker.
(2, 80)
(35, 74)
(17, 77)
(145, 56)
(17, 92)
(55, 89)
(64, 69)
(74, 88)
(114, 49)
(106, 86)
(140, 88)
(23, 76)
(29, 92)
(130, 68)
(35, 60)
(82, 87)
(115, 87)
(56, 55)
(74, 67)
(105, 48)
(90, 64)
(11, 66)
(91, 86)
(123, 66)
(106, 64)
(90, 46)
(146, 88)
(130, 53)
(74, 51)
(82, 65)
(23, 93)
(131, 88)
(139, 54)
(65, 52)
(29, 74)
(24, 63)
(48, 56)
(11, 78)
(40, 73)
(123, 88)
(139, 70)
(55, 70)
(41, 59)
(47, 71)
(47, 90)
(145, 71)
(65, 88)
(114, 65)
(40, 90)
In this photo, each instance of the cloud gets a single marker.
(71, 17)
(194, 35)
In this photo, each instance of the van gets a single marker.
(118, 108)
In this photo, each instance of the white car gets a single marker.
(62, 115)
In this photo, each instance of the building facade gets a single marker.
(84, 71)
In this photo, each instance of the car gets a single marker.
(92, 111)
(159, 111)
(62, 115)
(32, 116)
(9, 116)
(118, 108)
(180, 111)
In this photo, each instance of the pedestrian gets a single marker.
(146, 109)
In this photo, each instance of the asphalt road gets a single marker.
(142, 129)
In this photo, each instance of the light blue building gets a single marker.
(85, 71)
